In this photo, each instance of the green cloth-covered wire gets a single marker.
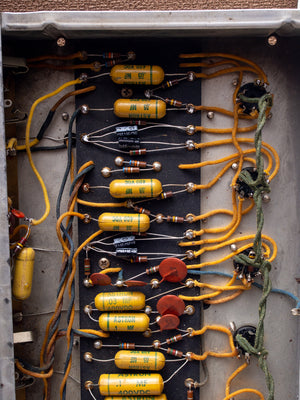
(258, 186)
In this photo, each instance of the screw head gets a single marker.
(272, 40)
(65, 116)
(210, 115)
(61, 41)
(266, 198)
(104, 263)
(234, 166)
(233, 247)
(127, 92)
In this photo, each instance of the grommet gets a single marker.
(190, 145)
(190, 331)
(88, 357)
(190, 187)
(87, 309)
(100, 279)
(189, 234)
(172, 269)
(85, 188)
(98, 344)
(88, 385)
(170, 304)
(106, 172)
(147, 333)
(84, 109)
(190, 108)
(189, 283)
(156, 344)
(190, 218)
(159, 218)
(104, 263)
(191, 76)
(87, 218)
(189, 254)
(119, 161)
(190, 129)
(189, 310)
(148, 310)
(156, 166)
(154, 283)
(87, 283)
(188, 356)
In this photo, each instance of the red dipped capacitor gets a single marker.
(170, 304)
(172, 269)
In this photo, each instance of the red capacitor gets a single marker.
(17, 213)
(170, 304)
(100, 279)
(168, 322)
(172, 269)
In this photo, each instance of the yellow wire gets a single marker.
(246, 390)
(101, 205)
(27, 144)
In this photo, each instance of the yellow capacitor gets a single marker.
(124, 222)
(120, 301)
(130, 384)
(137, 74)
(23, 273)
(135, 188)
(138, 108)
(160, 397)
(144, 360)
(124, 322)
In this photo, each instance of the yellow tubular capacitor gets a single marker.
(123, 322)
(142, 360)
(140, 109)
(130, 384)
(135, 188)
(23, 273)
(137, 74)
(118, 222)
(160, 397)
(120, 301)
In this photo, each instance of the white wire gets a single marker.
(91, 393)
(176, 372)
(69, 376)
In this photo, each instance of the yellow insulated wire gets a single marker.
(28, 151)
(217, 328)
(101, 205)
(240, 391)
(259, 70)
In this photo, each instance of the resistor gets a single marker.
(139, 259)
(138, 122)
(175, 219)
(190, 395)
(141, 210)
(111, 55)
(173, 102)
(175, 353)
(139, 152)
(126, 252)
(127, 346)
(87, 266)
(131, 170)
(129, 143)
(174, 339)
(152, 270)
(124, 241)
(168, 84)
(166, 195)
(135, 163)
(111, 63)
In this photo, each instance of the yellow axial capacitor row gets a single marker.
(124, 322)
(118, 222)
(123, 74)
(120, 301)
(160, 397)
(141, 360)
(135, 188)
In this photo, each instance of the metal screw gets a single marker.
(210, 115)
(235, 166)
(266, 198)
(127, 92)
(272, 40)
(61, 42)
(103, 263)
(233, 247)
(65, 116)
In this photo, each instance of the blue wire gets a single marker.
(273, 290)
